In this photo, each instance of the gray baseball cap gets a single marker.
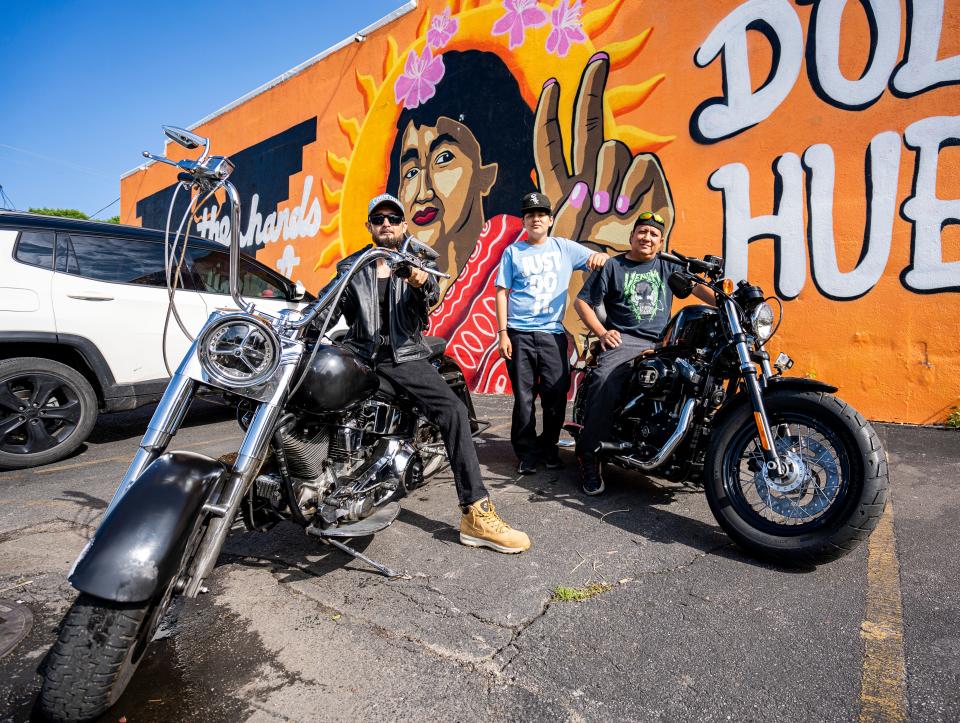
(384, 198)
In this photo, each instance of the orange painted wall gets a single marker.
(892, 349)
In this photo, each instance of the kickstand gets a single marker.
(382, 569)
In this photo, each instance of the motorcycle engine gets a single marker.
(648, 425)
(650, 417)
(654, 377)
(327, 460)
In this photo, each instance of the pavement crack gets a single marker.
(58, 524)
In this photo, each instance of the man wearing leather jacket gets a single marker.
(387, 312)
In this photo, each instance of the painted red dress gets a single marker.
(467, 316)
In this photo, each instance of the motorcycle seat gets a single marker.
(436, 344)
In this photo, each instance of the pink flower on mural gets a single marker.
(418, 83)
(520, 15)
(567, 27)
(442, 28)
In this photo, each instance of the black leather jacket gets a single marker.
(409, 310)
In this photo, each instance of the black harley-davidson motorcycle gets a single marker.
(792, 473)
(325, 446)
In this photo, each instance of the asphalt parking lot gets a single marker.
(685, 627)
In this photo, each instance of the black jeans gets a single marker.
(421, 381)
(606, 387)
(540, 366)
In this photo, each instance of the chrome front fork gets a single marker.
(250, 458)
(163, 426)
(748, 371)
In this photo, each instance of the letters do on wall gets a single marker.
(814, 144)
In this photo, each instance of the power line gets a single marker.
(6, 200)
(94, 215)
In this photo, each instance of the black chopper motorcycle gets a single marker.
(324, 446)
(792, 473)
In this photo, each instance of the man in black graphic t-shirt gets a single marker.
(633, 290)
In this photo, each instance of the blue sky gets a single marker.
(86, 84)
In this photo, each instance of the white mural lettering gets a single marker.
(288, 261)
(928, 272)
(883, 173)
(921, 70)
(741, 107)
(823, 56)
(302, 221)
(784, 225)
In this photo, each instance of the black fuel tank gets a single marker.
(693, 327)
(336, 380)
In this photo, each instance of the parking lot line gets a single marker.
(78, 465)
(883, 694)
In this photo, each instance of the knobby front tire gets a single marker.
(98, 649)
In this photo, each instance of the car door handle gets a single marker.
(89, 297)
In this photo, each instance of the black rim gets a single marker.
(38, 411)
(797, 506)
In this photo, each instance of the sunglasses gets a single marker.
(647, 215)
(392, 218)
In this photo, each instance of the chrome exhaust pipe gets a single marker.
(669, 446)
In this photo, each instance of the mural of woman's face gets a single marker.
(442, 185)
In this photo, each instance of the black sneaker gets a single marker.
(553, 463)
(591, 478)
(526, 467)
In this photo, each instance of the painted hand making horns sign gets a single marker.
(606, 186)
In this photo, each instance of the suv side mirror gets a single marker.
(185, 138)
(298, 291)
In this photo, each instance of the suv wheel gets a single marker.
(47, 410)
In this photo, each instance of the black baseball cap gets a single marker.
(535, 202)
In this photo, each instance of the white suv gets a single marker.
(83, 311)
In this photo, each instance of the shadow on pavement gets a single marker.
(117, 426)
(633, 502)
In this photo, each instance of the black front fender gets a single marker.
(138, 546)
(774, 385)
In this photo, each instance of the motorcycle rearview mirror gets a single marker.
(185, 138)
(415, 246)
(298, 291)
(680, 284)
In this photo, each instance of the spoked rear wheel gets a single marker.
(831, 497)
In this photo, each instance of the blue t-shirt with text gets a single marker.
(538, 276)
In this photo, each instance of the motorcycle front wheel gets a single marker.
(98, 649)
(830, 500)
(99, 646)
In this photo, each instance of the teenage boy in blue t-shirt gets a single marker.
(531, 301)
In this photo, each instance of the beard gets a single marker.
(390, 241)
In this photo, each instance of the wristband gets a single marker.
(500, 331)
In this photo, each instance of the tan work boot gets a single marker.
(481, 526)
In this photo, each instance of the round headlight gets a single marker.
(239, 351)
(761, 319)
